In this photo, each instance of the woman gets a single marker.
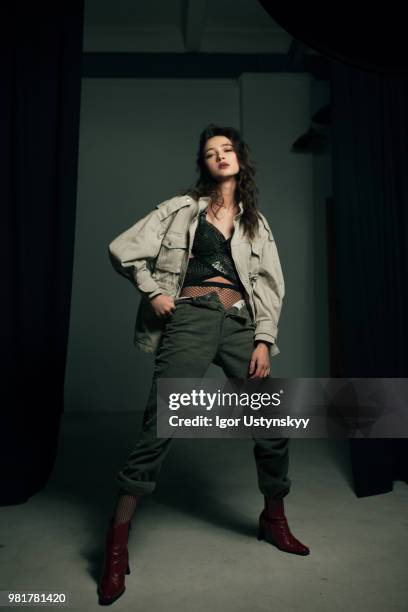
(227, 288)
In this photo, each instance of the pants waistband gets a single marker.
(239, 304)
(212, 299)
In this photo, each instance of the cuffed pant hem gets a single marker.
(134, 487)
(275, 493)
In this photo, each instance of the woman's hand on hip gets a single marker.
(163, 305)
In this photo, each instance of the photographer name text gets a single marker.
(246, 421)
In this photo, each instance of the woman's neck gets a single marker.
(227, 194)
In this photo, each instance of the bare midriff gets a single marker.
(227, 296)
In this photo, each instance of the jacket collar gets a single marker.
(205, 200)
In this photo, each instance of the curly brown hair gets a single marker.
(246, 190)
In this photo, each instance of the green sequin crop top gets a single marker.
(212, 257)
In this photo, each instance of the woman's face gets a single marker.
(220, 158)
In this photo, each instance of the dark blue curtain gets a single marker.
(40, 59)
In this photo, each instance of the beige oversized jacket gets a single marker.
(154, 253)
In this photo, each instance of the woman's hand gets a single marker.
(260, 366)
(163, 305)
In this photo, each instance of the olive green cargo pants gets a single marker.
(200, 332)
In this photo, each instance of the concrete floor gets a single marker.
(193, 545)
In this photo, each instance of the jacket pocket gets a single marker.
(254, 260)
(172, 252)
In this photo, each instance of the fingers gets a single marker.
(258, 368)
(168, 309)
(168, 313)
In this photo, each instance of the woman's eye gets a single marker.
(225, 151)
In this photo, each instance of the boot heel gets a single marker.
(128, 569)
(261, 533)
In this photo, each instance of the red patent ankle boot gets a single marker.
(116, 565)
(274, 528)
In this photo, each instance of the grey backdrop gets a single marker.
(138, 140)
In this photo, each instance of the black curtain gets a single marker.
(370, 181)
(41, 49)
(369, 92)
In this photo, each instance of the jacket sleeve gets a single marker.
(130, 251)
(269, 290)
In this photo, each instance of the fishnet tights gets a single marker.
(227, 296)
(126, 504)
